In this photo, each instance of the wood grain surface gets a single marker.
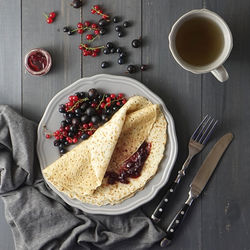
(219, 219)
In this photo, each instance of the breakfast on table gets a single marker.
(107, 144)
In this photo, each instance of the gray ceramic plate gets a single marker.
(47, 153)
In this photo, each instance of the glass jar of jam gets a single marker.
(38, 62)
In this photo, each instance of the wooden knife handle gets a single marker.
(157, 215)
(174, 225)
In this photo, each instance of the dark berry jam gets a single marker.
(132, 167)
(37, 61)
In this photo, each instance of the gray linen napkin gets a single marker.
(40, 219)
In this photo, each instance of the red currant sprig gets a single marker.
(90, 51)
(97, 10)
(50, 18)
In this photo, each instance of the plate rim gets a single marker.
(171, 135)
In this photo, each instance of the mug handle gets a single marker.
(220, 73)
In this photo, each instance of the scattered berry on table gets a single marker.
(118, 50)
(65, 29)
(126, 24)
(143, 67)
(106, 51)
(136, 43)
(104, 64)
(122, 54)
(102, 31)
(131, 69)
(120, 34)
(109, 45)
(118, 28)
(116, 19)
(76, 4)
(121, 60)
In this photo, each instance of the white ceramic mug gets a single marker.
(216, 67)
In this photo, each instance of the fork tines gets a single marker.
(204, 130)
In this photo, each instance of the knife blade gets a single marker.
(198, 184)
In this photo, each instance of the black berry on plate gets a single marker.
(104, 64)
(116, 19)
(90, 111)
(122, 54)
(84, 136)
(121, 60)
(136, 43)
(65, 29)
(85, 118)
(105, 117)
(126, 24)
(95, 119)
(118, 28)
(63, 124)
(131, 69)
(56, 143)
(76, 3)
(62, 151)
(92, 93)
(75, 121)
(102, 31)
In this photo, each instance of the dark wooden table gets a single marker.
(219, 219)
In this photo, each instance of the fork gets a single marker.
(197, 142)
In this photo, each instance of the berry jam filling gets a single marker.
(132, 167)
(83, 114)
(37, 61)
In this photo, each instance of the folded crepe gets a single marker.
(80, 172)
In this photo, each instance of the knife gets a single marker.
(199, 182)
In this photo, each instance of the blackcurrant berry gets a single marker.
(62, 151)
(102, 31)
(109, 45)
(119, 50)
(143, 67)
(90, 111)
(70, 33)
(120, 34)
(76, 3)
(63, 124)
(126, 24)
(85, 119)
(102, 22)
(118, 28)
(122, 54)
(65, 29)
(106, 51)
(83, 106)
(121, 61)
(84, 136)
(75, 121)
(136, 43)
(104, 64)
(113, 50)
(56, 143)
(95, 119)
(92, 93)
(105, 117)
(116, 19)
(62, 110)
(131, 69)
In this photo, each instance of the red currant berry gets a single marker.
(57, 132)
(79, 133)
(118, 103)
(47, 136)
(124, 101)
(85, 45)
(75, 140)
(94, 105)
(67, 128)
(89, 52)
(96, 50)
(57, 137)
(120, 96)
(87, 23)
(112, 96)
(52, 15)
(85, 126)
(93, 11)
(90, 132)
(105, 16)
(94, 26)
(97, 32)
(100, 12)
(70, 140)
(64, 133)
(91, 124)
(97, 7)
(94, 54)
(79, 25)
(80, 47)
(85, 53)
(108, 99)
(89, 37)
(75, 98)
(108, 104)
(71, 98)
(49, 20)
(103, 105)
(61, 129)
(80, 31)
(61, 136)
